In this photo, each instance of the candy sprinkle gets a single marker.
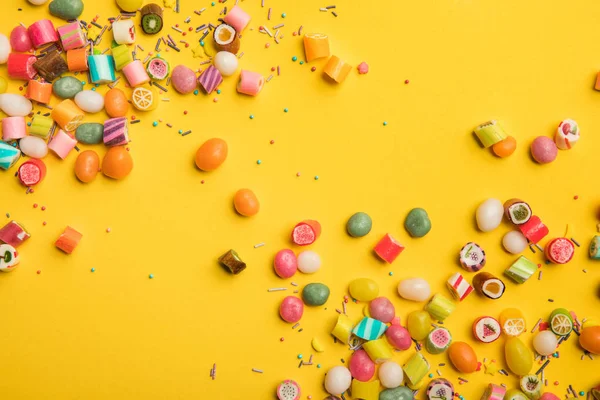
(279, 289)
(260, 371)
(256, 246)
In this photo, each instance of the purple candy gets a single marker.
(115, 132)
(210, 79)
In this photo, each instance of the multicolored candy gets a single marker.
(521, 270)
(115, 132)
(369, 329)
(13, 234)
(472, 257)
(9, 258)
(459, 287)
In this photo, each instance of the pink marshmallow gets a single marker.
(251, 83)
(237, 18)
(13, 128)
(62, 144)
(136, 73)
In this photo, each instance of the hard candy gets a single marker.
(518, 356)
(309, 262)
(514, 242)
(15, 105)
(285, 263)
(5, 48)
(399, 337)
(291, 309)
(489, 215)
(359, 224)
(418, 324)
(382, 309)
(90, 133)
(417, 222)
(67, 87)
(390, 374)
(20, 40)
(363, 289)
(33, 147)
(415, 289)
(399, 393)
(89, 101)
(361, 367)
(226, 63)
(183, 79)
(66, 9)
(545, 343)
(315, 294)
(543, 150)
(338, 380)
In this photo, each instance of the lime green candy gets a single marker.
(359, 225)
(399, 393)
(364, 289)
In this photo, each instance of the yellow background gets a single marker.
(115, 334)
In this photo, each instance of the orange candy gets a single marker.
(590, 339)
(68, 240)
(77, 60)
(86, 166)
(115, 103)
(337, 69)
(316, 45)
(67, 115)
(463, 357)
(505, 147)
(211, 154)
(117, 163)
(39, 91)
(246, 203)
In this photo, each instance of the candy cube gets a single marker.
(233, 262)
(71, 36)
(534, 230)
(210, 79)
(13, 234)
(489, 133)
(379, 350)
(388, 248)
(337, 69)
(365, 390)
(316, 45)
(369, 329)
(521, 270)
(68, 240)
(62, 144)
(459, 287)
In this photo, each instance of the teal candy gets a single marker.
(417, 222)
(90, 133)
(359, 225)
(67, 87)
(66, 9)
(399, 393)
(315, 294)
(369, 329)
(102, 68)
(9, 155)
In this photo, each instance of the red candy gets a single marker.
(559, 250)
(291, 309)
(32, 172)
(306, 232)
(549, 396)
(534, 230)
(361, 367)
(388, 248)
(399, 337)
(285, 263)
(20, 66)
(13, 234)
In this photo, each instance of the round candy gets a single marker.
(549, 396)
(89, 101)
(288, 390)
(545, 343)
(115, 103)
(361, 367)
(37, 2)
(438, 340)
(338, 380)
(363, 289)
(590, 339)
(505, 147)
(415, 289)
(543, 150)
(514, 242)
(309, 262)
(211, 154)
(67, 87)
(86, 166)
(183, 79)
(90, 133)
(315, 294)
(567, 134)
(4, 48)
(518, 356)
(66, 9)
(382, 309)
(463, 357)
(390, 375)
(559, 250)
(417, 223)
(226, 63)
(399, 337)
(10, 258)
(246, 203)
(291, 309)
(20, 40)
(419, 324)
(285, 263)
(33, 146)
(130, 5)
(15, 105)
(117, 163)
(359, 225)
(489, 215)
(486, 329)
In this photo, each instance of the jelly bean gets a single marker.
(211, 154)
(590, 339)
(417, 223)
(115, 103)
(338, 380)
(291, 309)
(183, 79)
(67, 87)
(415, 289)
(363, 289)
(285, 263)
(505, 148)
(309, 262)
(87, 165)
(117, 163)
(361, 367)
(89, 101)
(66, 9)
(399, 393)
(382, 309)
(359, 225)
(514, 242)
(463, 357)
(34, 147)
(90, 133)
(543, 150)
(489, 215)
(246, 203)
(399, 337)
(130, 5)
(545, 343)
(518, 356)
(15, 105)
(226, 63)
(315, 294)
(418, 324)
(20, 40)
(391, 375)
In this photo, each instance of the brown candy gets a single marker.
(232, 261)
(51, 66)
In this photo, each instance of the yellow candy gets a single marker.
(343, 329)
(365, 390)
(518, 356)
(363, 289)
(378, 350)
(3, 85)
(416, 368)
(419, 324)
(317, 345)
(417, 385)
(130, 5)
(366, 311)
(591, 322)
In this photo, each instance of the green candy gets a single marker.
(66, 9)
(359, 225)
(315, 294)
(399, 393)
(417, 223)
(90, 133)
(67, 87)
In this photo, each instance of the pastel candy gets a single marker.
(102, 69)
(10, 258)
(115, 132)
(122, 56)
(71, 36)
(440, 388)
(15, 105)
(472, 257)
(34, 147)
(136, 73)
(9, 155)
(251, 83)
(493, 392)
(20, 40)
(67, 87)
(13, 128)
(595, 248)
(337, 69)
(459, 286)
(41, 126)
(440, 307)
(62, 144)
(31, 172)
(567, 134)
(4, 49)
(237, 18)
(369, 329)
(210, 79)
(39, 91)
(489, 133)
(521, 270)
(124, 31)
(365, 390)
(13, 234)
(42, 32)
(379, 350)
(89, 101)
(416, 368)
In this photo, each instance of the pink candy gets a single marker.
(136, 73)
(71, 36)
(13, 128)
(361, 366)
(549, 396)
(62, 144)
(42, 32)
(251, 83)
(543, 150)
(237, 18)
(286, 263)
(382, 309)
(20, 40)
(13, 234)
(291, 309)
(398, 337)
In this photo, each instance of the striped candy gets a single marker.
(521, 270)
(210, 79)
(493, 392)
(8, 155)
(472, 257)
(459, 287)
(369, 329)
(13, 234)
(71, 36)
(115, 132)
(102, 68)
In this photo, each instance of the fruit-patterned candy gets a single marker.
(226, 39)
(490, 133)
(291, 309)
(518, 356)
(488, 285)
(365, 390)
(459, 286)
(594, 250)
(521, 270)
(472, 257)
(494, 392)
(414, 289)
(399, 337)
(534, 230)
(418, 324)
(379, 350)
(382, 309)
(9, 258)
(440, 388)
(512, 322)
(438, 340)
(463, 357)
(369, 329)
(338, 380)
(68, 240)
(515, 394)
(288, 390)
(517, 211)
(62, 143)
(306, 232)
(285, 263)
(31, 172)
(363, 289)
(388, 248)
(440, 307)
(559, 250)
(152, 18)
(486, 329)
(343, 328)
(361, 366)
(232, 261)
(416, 368)
(567, 134)
(531, 385)
(13, 234)
(561, 322)
(158, 68)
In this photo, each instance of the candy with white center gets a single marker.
(226, 39)
(124, 31)
(514, 242)
(459, 286)
(440, 388)
(472, 257)
(288, 390)
(9, 258)
(309, 262)
(438, 340)
(226, 63)
(488, 285)
(517, 211)
(567, 134)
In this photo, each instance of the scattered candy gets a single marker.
(490, 133)
(32, 172)
(246, 203)
(338, 380)
(416, 368)
(382, 309)
(343, 328)
(363, 289)
(211, 78)
(117, 163)
(559, 250)
(87, 166)
(417, 223)
(517, 211)
(534, 229)
(459, 287)
(505, 147)
(116, 132)
(62, 143)
(486, 329)
(250, 83)
(288, 390)
(399, 337)
(463, 357)
(316, 45)
(543, 150)
(589, 339)
(33, 146)
(237, 18)
(13, 234)
(309, 262)
(90, 133)
(531, 385)
(488, 285)
(440, 307)
(518, 356)
(512, 322)
(9, 258)
(232, 261)
(388, 249)
(152, 18)
(285, 264)
(414, 289)
(418, 324)
(489, 215)
(472, 257)
(545, 343)
(67, 87)
(315, 294)
(89, 101)
(68, 240)
(567, 134)
(361, 367)
(337, 69)
(494, 392)
(438, 340)
(521, 270)
(369, 329)
(359, 224)
(514, 242)
(226, 39)
(306, 232)
(440, 388)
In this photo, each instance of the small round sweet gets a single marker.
(363, 289)
(33, 147)
(543, 150)
(390, 374)
(414, 289)
(3, 85)
(315, 294)
(463, 357)
(130, 5)
(590, 339)
(117, 163)
(89, 101)
(226, 63)
(20, 41)
(183, 79)
(361, 367)
(115, 103)
(309, 262)
(86, 166)
(505, 147)
(15, 105)
(285, 263)
(5, 48)
(359, 224)
(419, 324)
(338, 380)
(550, 396)
(67, 87)
(291, 309)
(211, 154)
(399, 337)
(514, 242)
(545, 343)
(399, 393)
(489, 215)
(417, 223)
(382, 309)
(246, 203)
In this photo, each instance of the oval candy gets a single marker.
(67, 87)
(89, 101)
(33, 147)
(90, 133)
(315, 294)
(414, 289)
(87, 165)
(463, 357)
(363, 289)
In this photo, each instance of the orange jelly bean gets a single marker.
(117, 163)
(246, 203)
(211, 154)
(115, 103)
(86, 166)
(505, 147)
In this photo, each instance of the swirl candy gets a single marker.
(41, 126)
(115, 132)
(20, 66)
(39, 91)
(102, 69)
(337, 69)
(67, 115)
(71, 36)
(472, 257)
(9, 258)
(62, 144)
(32, 172)
(459, 287)
(251, 83)
(559, 250)
(489, 133)
(9, 155)
(124, 31)
(13, 234)
(77, 60)
(521, 270)
(488, 285)
(567, 134)
(152, 21)
(136, 73)
(51, 66)
(237, 18)
(13, 128)
(210, 79)
(42, 32)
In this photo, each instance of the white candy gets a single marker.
(10, 258)
(37, 2)
(514, 242)
(4, 49)
(545, 343)
(309, 262)
(15, 105)
(338, 380)
(89, 101)
(226, 63)
(489, 215)
(415, 289)
(33, 146)
(390, 375)
(124, 31)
